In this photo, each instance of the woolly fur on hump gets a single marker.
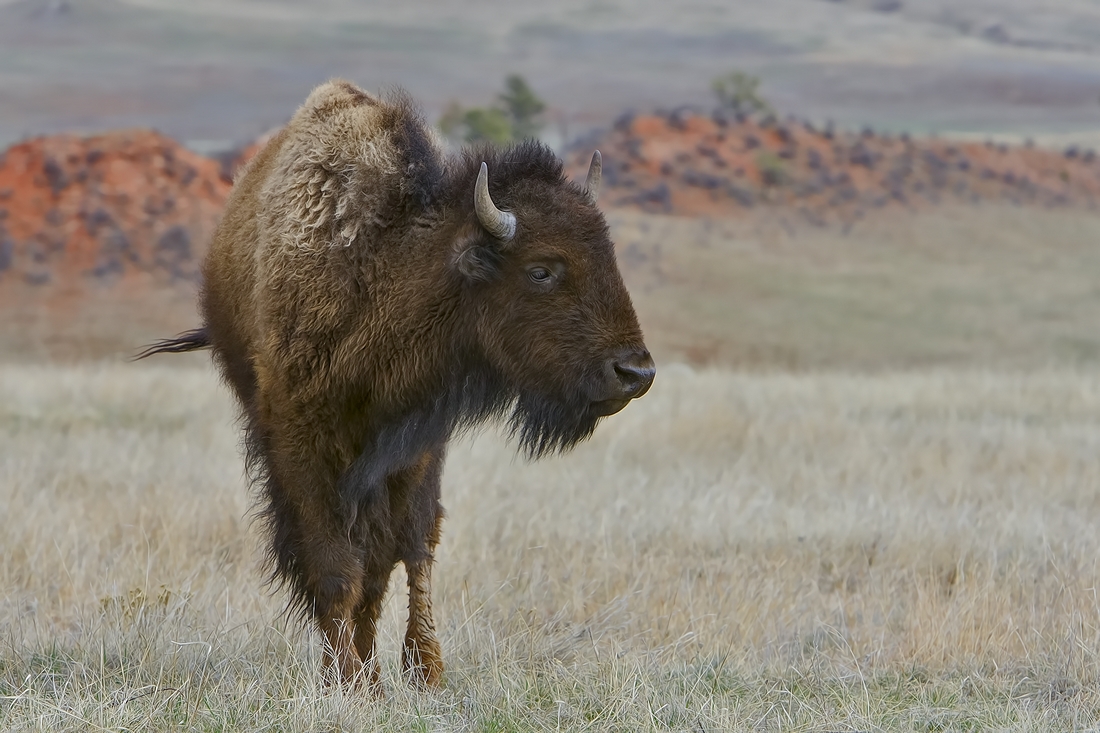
(350, 162)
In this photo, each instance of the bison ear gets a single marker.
(477, 260)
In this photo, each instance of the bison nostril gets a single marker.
(635, 372)
(629, 381)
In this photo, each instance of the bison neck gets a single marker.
(398, 439)
(419, 380)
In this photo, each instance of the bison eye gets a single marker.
(539, 275)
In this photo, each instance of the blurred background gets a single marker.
(797, 184)
(863, 241)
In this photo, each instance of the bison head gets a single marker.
(553, 317)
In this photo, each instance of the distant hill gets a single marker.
(687, 162)
(206, 71)
(129, 204)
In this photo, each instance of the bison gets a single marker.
(366, 295)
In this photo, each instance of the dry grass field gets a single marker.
(907, 550)
(976, 286)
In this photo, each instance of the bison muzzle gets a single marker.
(367, 295)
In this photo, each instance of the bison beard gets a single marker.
(366, 297)
(474, 397)
(544, 425)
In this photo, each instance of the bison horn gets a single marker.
(501, 224)
(592, 183)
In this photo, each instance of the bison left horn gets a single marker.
(501, 224)
(592, 182)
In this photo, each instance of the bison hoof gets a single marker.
(423, 664)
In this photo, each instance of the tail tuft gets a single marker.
(192, 340)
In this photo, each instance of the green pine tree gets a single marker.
(517, 115)
(487, 124)
(739, 93)
(522, 106)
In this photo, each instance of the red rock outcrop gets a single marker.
(695, 164)
(135, 204)
(79, 210)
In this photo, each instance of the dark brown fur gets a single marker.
(362, 315)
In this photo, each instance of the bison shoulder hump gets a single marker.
(350, 162)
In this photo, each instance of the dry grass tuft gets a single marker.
(905, 551)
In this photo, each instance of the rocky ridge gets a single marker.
(689, 163)
(106, 208)
(79, 212)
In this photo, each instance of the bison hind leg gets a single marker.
(422, 659)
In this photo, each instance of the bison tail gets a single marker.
(192, 340)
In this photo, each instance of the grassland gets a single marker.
(874, 509)
(991, 286)
(911, 550)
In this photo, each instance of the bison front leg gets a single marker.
(329, 573)
(341, 662)
(375, 580)
(326, 573)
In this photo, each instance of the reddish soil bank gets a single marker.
(77, 211)
(105, 208)
(717, 165)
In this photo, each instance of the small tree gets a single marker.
(739, 93)
(772, 171)
(487, 124)
(517, 115)
(523, 107)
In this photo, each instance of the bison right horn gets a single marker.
(501, 224)
(592, 183)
